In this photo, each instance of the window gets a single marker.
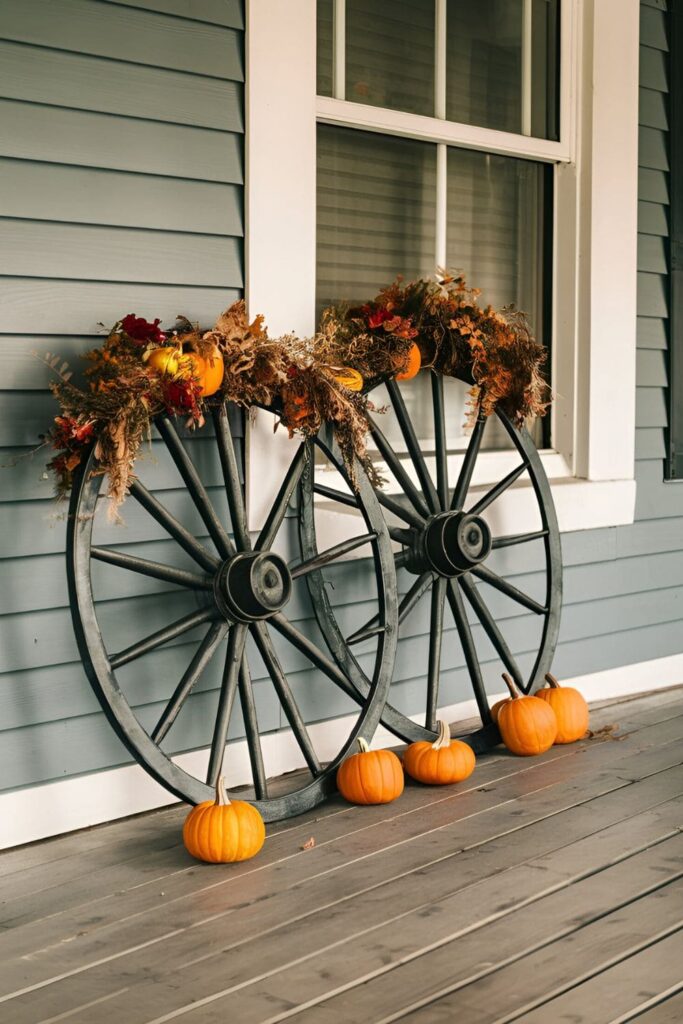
(505, 126)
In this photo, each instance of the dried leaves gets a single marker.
(298, 378)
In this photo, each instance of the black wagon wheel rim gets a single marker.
(429, 497)
(229, 612)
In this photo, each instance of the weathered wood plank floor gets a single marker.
(541, 891)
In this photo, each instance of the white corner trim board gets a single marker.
(39, 812)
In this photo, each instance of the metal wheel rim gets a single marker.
(122, 716)
(487, 736)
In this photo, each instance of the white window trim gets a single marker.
(591, 466)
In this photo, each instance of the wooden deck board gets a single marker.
(428, 909)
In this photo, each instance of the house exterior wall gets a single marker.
(121, 190)
(121, 184)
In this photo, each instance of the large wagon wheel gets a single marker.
(446, 547)
(224, 589)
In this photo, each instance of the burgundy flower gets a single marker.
(181, 394)
(376, 317)
(141, 330)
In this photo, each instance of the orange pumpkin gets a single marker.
(495, 709)
(527, 725)
(440, 763)
(570, 710)
(207, 370)
(413, 365)
(370, 776)
(223, 831)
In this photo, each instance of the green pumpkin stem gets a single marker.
(362, 745)
(515, 691)
(222, 799)
(444, 737)
(552, 681)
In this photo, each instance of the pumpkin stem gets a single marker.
(444, 737)
(515, 691)
(222, 799)
(362, 745)
(552, 681)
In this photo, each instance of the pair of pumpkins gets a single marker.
(207, 370)
(376, 776)
(223, 831)
(531, 725)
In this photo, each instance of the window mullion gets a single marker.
(527, 38)
(440, 258)
(339, 50)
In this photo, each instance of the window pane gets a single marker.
(497, 233)
(390, 54)
(324, 45)
(376, 211)
(485, 79)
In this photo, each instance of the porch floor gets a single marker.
(541, 890)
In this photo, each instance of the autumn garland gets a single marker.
(140, 372)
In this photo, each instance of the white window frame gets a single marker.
(591, 464)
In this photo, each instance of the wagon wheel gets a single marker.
(446, 551)
(223, 589)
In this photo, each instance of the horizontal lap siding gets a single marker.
(121, 189)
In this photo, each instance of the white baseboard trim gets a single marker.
(39, 812)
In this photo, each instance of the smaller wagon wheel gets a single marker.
(445, 546)
(213, 586)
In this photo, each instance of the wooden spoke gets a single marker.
(397, 533)
(408, 602)
(496, 491)
(231, 476)
(161, 637)
(191, 676)
(252, 731)
(512, 539)
(277, 512)
(167, 573)
(282, 688)
(187, 470)
(390, 504)
(468, 463)
(394, 463)
(490, 628)
(233, 661)
(325, 557)
(315, 655)
(469, 650)
(435, 637)
(400, 511)
(484, 573)
(176, 530)
(440, 439)
(413, 446)
(334, 495)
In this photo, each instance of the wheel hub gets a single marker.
(450, 543)
(252, 585)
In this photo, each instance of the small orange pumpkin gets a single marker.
(440, 763)
(527, 725)
(413, 365)
(207, 370)
(370, 776)
(495, 709)
(570, 710)
(223, 831)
